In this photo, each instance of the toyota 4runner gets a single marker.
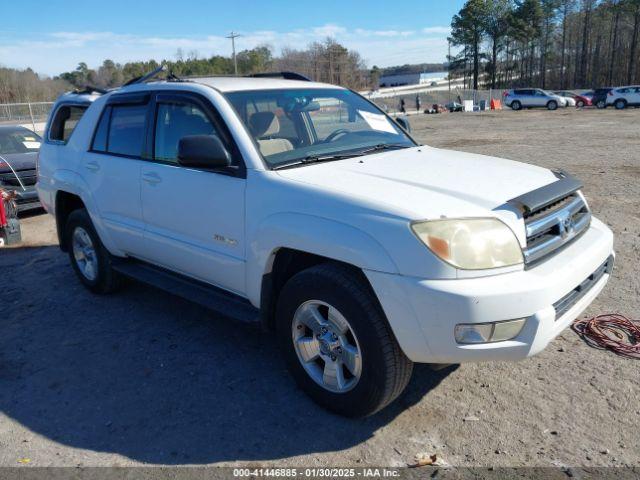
(306, 208)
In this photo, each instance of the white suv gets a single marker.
(624, 97)
(305, 207)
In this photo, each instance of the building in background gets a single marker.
(417, 78)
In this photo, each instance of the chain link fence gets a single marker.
(33, 114)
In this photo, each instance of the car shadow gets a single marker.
(155, 378)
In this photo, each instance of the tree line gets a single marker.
(21, 86)
(558, 44)
(326, 61)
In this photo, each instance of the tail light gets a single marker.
(610, 93)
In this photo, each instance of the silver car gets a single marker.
(520, 98)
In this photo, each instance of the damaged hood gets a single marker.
(426, 183)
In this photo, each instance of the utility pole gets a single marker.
(233, 37)
(449, 69)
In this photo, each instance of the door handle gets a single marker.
(151, 178)
(93, 166)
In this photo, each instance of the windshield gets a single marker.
(18, 140)
(296, 124)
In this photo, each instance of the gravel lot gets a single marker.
(142, 377)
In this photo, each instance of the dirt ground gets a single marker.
(142, 377)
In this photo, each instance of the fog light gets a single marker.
(488, 332)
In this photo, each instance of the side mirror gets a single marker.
(404, 123)
(203, 151)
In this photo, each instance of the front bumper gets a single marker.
(423, 313)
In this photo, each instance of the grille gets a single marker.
(28, 178)
(563, 305)
(554, 226)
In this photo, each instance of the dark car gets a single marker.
(18, 150)
(600, 97)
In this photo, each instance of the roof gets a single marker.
(235, 84)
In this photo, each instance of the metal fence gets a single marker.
(32, 113)
(435, 97)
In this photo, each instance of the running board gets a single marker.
(208, 296)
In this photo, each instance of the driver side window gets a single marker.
(175, 121)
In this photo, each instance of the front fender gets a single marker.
(312, 234)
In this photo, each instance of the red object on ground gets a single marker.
(611, 332)
(496, 104)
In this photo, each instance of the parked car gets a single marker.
(579, 100)
(600, 97)
(304, 207)
(18, 151)
(624, 97)
(520, 98)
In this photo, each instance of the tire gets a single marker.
(516, 105)
(620, 104)
(384, 370)
(579, 104)
(552, 105)
(601, 104)
(85, 248)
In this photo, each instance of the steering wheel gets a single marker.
(336, 133)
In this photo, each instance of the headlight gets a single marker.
(471, 244)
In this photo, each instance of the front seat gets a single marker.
(265, 127)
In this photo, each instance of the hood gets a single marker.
(19, 161)
(426, 183)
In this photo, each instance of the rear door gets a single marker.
(634, 97)
(194, 218)
(111, 168)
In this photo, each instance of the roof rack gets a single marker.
(284, 75)
(88, 90)
(152, 74)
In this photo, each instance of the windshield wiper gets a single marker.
(314, 159)
(340, 156)
(382, 146)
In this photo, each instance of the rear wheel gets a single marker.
(601, 104)
(552, 105)
(620, 104)
(580, 104)
(516, 105)
(337, 343)
(89, 259)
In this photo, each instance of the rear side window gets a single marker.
(64, 122)
(121, 130)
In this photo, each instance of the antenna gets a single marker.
(233, 37)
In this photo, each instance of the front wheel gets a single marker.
(580, 104)
(620, 104)
(337, 343)
(552, 105)
(601, 104)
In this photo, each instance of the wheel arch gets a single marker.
(287, 243)
(65, 204)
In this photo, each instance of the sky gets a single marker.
(53, 36)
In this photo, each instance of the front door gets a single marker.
(194, 218)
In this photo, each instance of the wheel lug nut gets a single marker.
(333, 358)
(339, 349)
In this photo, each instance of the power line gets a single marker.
(233, 37)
